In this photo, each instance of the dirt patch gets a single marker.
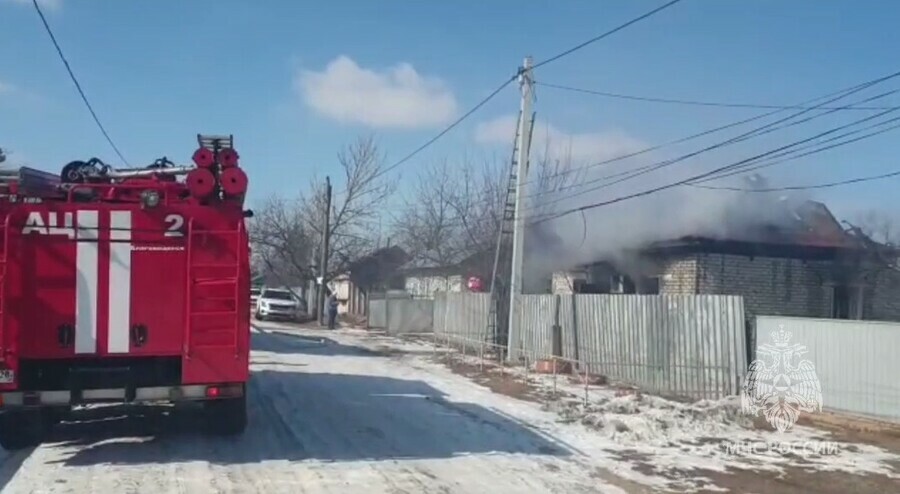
(791, 480)
(856, 430)
(500, 383)
(795, 480)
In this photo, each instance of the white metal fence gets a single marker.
(401, 315)
(855, 362)
(691, 345)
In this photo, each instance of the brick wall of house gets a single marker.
(882, 300)
(769, 285)
(678, 276)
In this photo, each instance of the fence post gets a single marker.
(556, 333)
(387, 312)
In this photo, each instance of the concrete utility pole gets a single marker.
(526, 82)
(323, 262)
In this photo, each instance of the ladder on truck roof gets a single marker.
(30, 182)
(4, 258)
(229, 277)
(215, 142)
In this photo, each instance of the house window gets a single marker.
(840, 302)
(650, 286)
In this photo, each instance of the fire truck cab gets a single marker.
(124, 286)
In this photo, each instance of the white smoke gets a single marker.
(614, 232)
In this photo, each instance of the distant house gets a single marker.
(424, 280)
(376, 272)
(806, 266)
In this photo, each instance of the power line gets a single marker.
(450, 127)
(842, 92)
(802, 187)
(686, 181)
(77, 84)
(508, 81)
(604, 35)
(765, 129)
(693, 102)
(792, 155)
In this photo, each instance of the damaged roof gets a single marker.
(811, 225)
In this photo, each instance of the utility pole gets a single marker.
(323, 262)
(526, 82)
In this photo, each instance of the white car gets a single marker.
(274, 303)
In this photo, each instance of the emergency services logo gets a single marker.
(780, 383)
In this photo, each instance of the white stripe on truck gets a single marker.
(86, 278)
(119, 281)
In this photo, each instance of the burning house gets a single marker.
(804, 265)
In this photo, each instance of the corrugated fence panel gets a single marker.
(685, 345)
(462, 315)
(410, 316)
(688, 345)
(535, 321)
(377, 313)
(855, 361)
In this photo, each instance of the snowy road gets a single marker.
(325, 417)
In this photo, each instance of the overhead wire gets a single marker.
(804, 105)
(772, 160)
(770, 127)
(77, 84)
(803, 187)
(605, 34)
(505, 83)
(678, 183)
(717, 104)
(765, 129)
(447, 129)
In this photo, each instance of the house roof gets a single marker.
(378, 265)
(809, 225)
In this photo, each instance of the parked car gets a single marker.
(278, 303)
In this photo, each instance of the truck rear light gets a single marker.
(224, 391)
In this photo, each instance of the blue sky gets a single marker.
(285, 76)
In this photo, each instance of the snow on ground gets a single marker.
(655, 441)
(343, 411)
(325, 417)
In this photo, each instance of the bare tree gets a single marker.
(282, 242)
(356, 207)
(453, 212)
(286, 234)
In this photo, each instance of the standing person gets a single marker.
(332, 310)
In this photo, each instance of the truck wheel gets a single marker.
(21, 429)
(227, 416)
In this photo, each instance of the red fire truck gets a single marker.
(124, 286)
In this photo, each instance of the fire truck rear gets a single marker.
(124, 286)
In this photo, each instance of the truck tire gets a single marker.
(21, 429)
(227, 416)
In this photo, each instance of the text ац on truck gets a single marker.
(124, 286)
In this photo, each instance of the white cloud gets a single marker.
(6, 88)
(549, 140)
(397, 97)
